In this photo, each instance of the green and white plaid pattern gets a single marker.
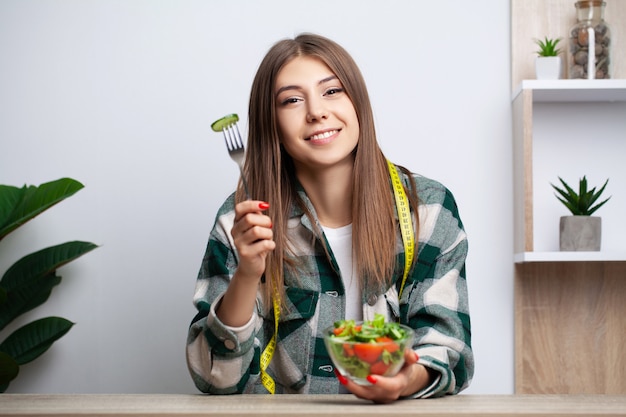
(224, 360)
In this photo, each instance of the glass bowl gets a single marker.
(358, 359)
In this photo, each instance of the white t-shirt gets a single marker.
(340, 241)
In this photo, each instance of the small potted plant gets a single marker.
(548, 62)
(581, 231)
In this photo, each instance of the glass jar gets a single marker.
(589, 53)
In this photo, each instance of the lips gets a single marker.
(322, 135)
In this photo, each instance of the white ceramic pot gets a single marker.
(548, 67)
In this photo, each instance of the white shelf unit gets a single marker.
(527, 257)
(568, 305)
(537, 93)
(574, 90)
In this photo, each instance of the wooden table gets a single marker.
(306, 405)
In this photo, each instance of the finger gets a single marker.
(410, 356)
(255, 240)
(250, 206)
(381, 390)
(373, 393)
(252, 256)
(249, 222)
(256, 226)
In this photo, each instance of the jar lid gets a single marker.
(589, 3)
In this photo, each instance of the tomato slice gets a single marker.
(348, 350)
(368, 352)
(388, 344)
(379, 368)
(337, 330)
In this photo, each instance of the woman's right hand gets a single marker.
(253, 237)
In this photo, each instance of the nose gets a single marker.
(316, 111)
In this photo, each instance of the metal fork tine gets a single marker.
(225, 132)
(236, 149)
(228, 138)
(234, 138)
(238, 135)
(231, 139)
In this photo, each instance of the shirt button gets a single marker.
(372, 300)
(230, 344)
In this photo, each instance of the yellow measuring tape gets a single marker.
(406, 224)
(408, 240)
(268, 352)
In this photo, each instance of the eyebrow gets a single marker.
(295, 87)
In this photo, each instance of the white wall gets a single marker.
(120, 96)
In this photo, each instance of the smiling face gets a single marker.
(318, 124)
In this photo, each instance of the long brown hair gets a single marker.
(271, 175)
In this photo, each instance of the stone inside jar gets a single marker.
(589, 50)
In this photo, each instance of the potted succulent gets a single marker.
(548, 64)
(581, 231)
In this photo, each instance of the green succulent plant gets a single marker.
(583, 202)
(29, 281)
(548, 47)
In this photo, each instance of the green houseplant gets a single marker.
(548, 46)
(548, 63)
(580, 231)
(29, 281)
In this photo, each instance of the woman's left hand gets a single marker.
(411, 378)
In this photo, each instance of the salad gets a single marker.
(371, 347)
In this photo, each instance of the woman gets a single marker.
(321, 241)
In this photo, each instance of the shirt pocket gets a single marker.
(291, 357)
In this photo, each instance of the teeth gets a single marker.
(323, 135)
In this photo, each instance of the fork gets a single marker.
(236, 150)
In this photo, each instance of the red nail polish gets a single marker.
(417, 357)
(342, 379)
(264, 206)
(372, 379)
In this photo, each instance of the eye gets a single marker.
(289, 100)
(333, 91)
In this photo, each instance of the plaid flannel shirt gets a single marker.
(226, 360)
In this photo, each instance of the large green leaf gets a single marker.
(26, 297)
(9, 198)
(30, 280)
(18, 205)
(32, 340)
(43, 262)
(8, 370)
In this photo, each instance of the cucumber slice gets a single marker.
(224, 122)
